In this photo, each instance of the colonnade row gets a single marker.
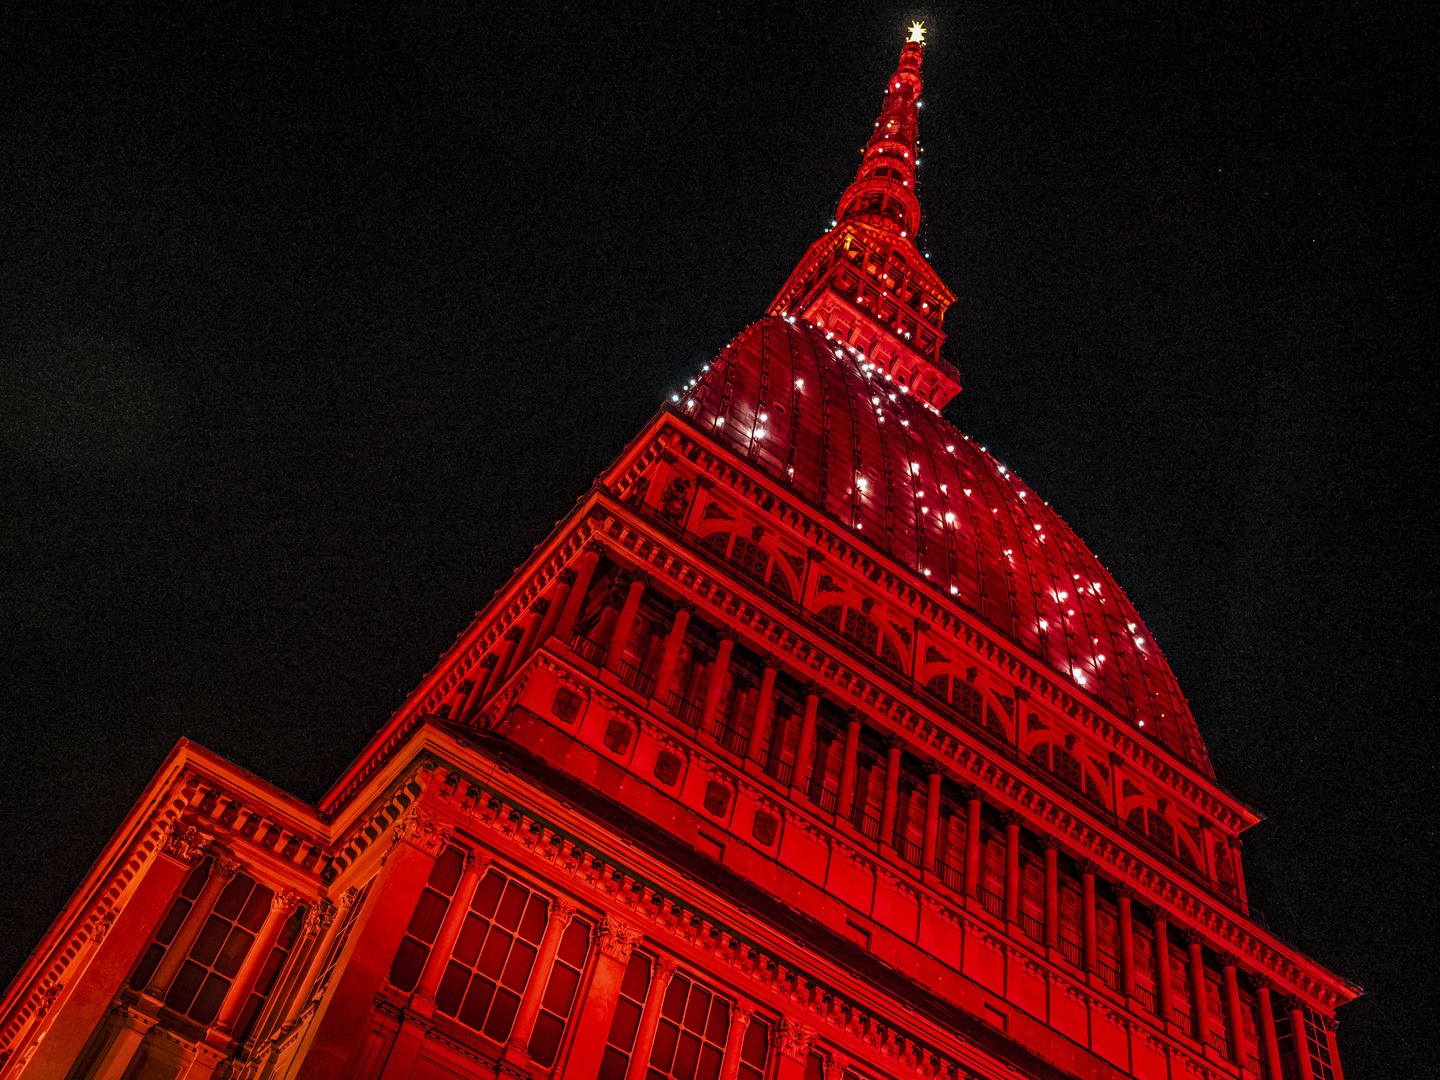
(652, 675)
(558, 615)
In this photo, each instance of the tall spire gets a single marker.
(865, 280)
(883, 193)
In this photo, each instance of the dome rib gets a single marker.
(1005, 554)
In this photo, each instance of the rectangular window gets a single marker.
(1180, 989)
(1107, 943)
(1032, 900)
(559, 997)
(170, 926)
(494, 955)
(626, 1022)
(1070, 939)
(1217, 1028)
(1317, 1043)
(1250, 1037)
(221, 947)
(337, 947)
(265, 981)
(425, 921)
(1144, 940)
(690, 1042)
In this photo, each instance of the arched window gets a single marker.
(959, 694)
(1152, 823)
(750, 559)
(1065, 766)
(1067, 769)
(1160, 830)
(862, 630)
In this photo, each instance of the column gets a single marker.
(1162, 967)
(597, 1011)
(1012, 867)
(932, 817)
(659, 479)
(1269, 1044)
(893, 749)
(502, 665)
(754, 746)
(329, 918)
(517, 1051)
(805, 748)
(584, 574)
(703, 484)
(1124, 900)
(739, 1021)
(790, 1044)
(671, 653)
(134, 1026)
(1233, 1023)
(1052, 892)
(847, 766)
(718, 671)
(221, 871)
(282, 904)
(660, 976)
(1298, 1038)
(972, 845)
(1332, 1027)
(1087, 917)
(422, 1000)
(1199, 1000)
(539, 610)
(564, 581)
(620, 636)
(484, 672)
(340, 1021)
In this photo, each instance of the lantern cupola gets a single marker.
(865, 280)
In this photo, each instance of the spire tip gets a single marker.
(917, 33)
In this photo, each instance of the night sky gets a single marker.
(313, 323)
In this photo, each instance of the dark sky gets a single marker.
(312, 323)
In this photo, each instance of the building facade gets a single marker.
(812, 745)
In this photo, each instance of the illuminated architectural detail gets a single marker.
(811, 744)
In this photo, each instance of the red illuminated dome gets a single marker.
(837, 394)
(819, 416)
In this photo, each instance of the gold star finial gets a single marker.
(917, 32)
